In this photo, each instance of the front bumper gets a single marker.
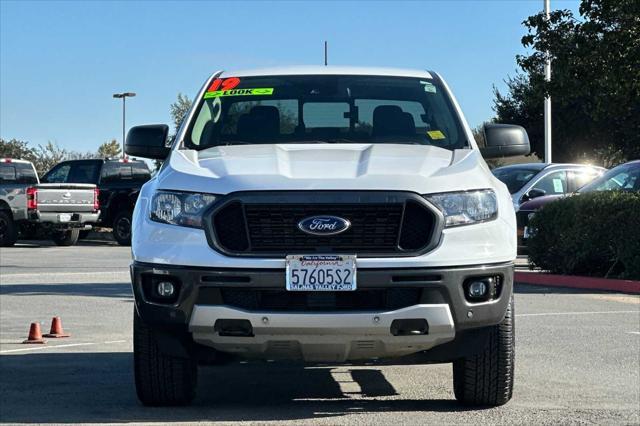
(321, 335)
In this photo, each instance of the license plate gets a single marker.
(526, 234)
(64, 217)
(321, 273)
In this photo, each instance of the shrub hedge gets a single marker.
(589, 234)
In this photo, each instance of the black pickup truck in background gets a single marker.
(119, 182)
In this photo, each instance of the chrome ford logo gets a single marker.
(324, 225)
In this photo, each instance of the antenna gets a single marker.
(325, 53)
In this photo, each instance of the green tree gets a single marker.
(178, 111)
(47, 156)
(109, 149)
(17, 149)
(595, 85)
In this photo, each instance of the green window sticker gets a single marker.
(558, 188)
(262, 91)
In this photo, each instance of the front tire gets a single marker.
(486, 379)
(161, 380)
(122, 228)
(66, 238)
(8, 229)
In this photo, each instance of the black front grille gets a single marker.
(380, 225)
(289, 301)
(275, 227)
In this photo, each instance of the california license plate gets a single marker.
(321, 273)
(64, 217)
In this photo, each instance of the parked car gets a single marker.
(119, 182)
(327, 214)
(61, 209)
(625, 177)
(532, 180)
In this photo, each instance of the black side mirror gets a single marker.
(505, 140)
(535, 193)
(148, 141)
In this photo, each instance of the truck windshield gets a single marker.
(325, 109)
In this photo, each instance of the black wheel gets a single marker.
(487, 378)
(122, 228)
(161, 380)
(8, 229)
(66, 238)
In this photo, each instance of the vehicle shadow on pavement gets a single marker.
(119, 290)
(84, 387)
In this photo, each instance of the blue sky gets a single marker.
(60, 62)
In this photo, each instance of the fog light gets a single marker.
(477, 289)
(165, 289)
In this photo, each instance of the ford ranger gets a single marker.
(324, 214)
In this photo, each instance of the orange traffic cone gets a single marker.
(35, 335)
(56, 329)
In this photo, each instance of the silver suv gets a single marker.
(532, 180)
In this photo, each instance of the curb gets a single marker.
(572, 281)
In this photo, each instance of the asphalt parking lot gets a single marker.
(578, 359)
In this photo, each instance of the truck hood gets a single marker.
(415, 168)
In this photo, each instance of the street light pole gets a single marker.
(547, 99)
(124, 97)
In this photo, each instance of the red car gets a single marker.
(625, 177)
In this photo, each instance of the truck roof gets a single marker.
(328, 70)
(13, 160)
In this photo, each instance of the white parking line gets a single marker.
(634, 332)
(542, 314)
(39, 348)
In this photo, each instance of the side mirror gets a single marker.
(148, 141)
(505, 140)
(535, 193)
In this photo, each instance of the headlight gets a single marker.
(466, 208)
(180, 208)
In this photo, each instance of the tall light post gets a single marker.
(547, 99)
(124, 97)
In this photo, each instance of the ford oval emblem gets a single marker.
(324, 225)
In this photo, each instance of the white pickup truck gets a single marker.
(327, 214)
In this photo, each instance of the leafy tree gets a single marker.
(595, 84)
(48, 156)
(178, 111)
(109, 149)
(16, 149)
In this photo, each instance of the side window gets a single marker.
(125, 172)
(553, 184)
(59, 174)
(26, 174)
(84, 172)
(141, 172)
(7, 173)
(579, 178)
